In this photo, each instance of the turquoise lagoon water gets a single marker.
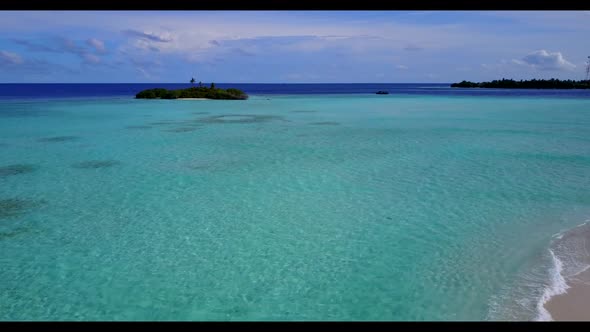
(323, 207)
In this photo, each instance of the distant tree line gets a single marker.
(528, 84)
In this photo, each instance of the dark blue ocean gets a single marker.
(67, 90)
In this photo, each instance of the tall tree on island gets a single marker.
(193, 81)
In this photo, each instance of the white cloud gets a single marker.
(545, 60)
(184, 34)
(144, 73)
(90, 58)
(98, 45)
(401, 67)
(162, 37)
(145, 45)
(66, 45)
(10, 58)
(206, 37)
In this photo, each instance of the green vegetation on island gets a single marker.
(530, 84)
(193, 92)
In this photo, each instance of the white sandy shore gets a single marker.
(194, 99)
(575, 304)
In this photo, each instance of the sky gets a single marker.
(291, 46)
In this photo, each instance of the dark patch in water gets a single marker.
(191, 122)
(325, 123)
(91, 164)
(6, 235)
(16, 169)
(162, 123)
(181, 130)
(13, 207)
(138, 127)
(200, 113)
(58, 139)
(214, 166)
(240, 118)
(199, 167)
(303, 111)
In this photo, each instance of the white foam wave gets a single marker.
(569, 255)
(557, 286)
(559, 235)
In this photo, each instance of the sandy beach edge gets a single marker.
(574, 305)
(194, 99)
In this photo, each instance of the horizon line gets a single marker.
(226, 83)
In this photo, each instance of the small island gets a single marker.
(529, 84)
(199, 92)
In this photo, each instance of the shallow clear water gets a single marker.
(325, 207)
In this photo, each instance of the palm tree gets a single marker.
(193, 81)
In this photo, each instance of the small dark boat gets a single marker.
(382, 92)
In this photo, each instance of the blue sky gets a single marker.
(291, 46)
